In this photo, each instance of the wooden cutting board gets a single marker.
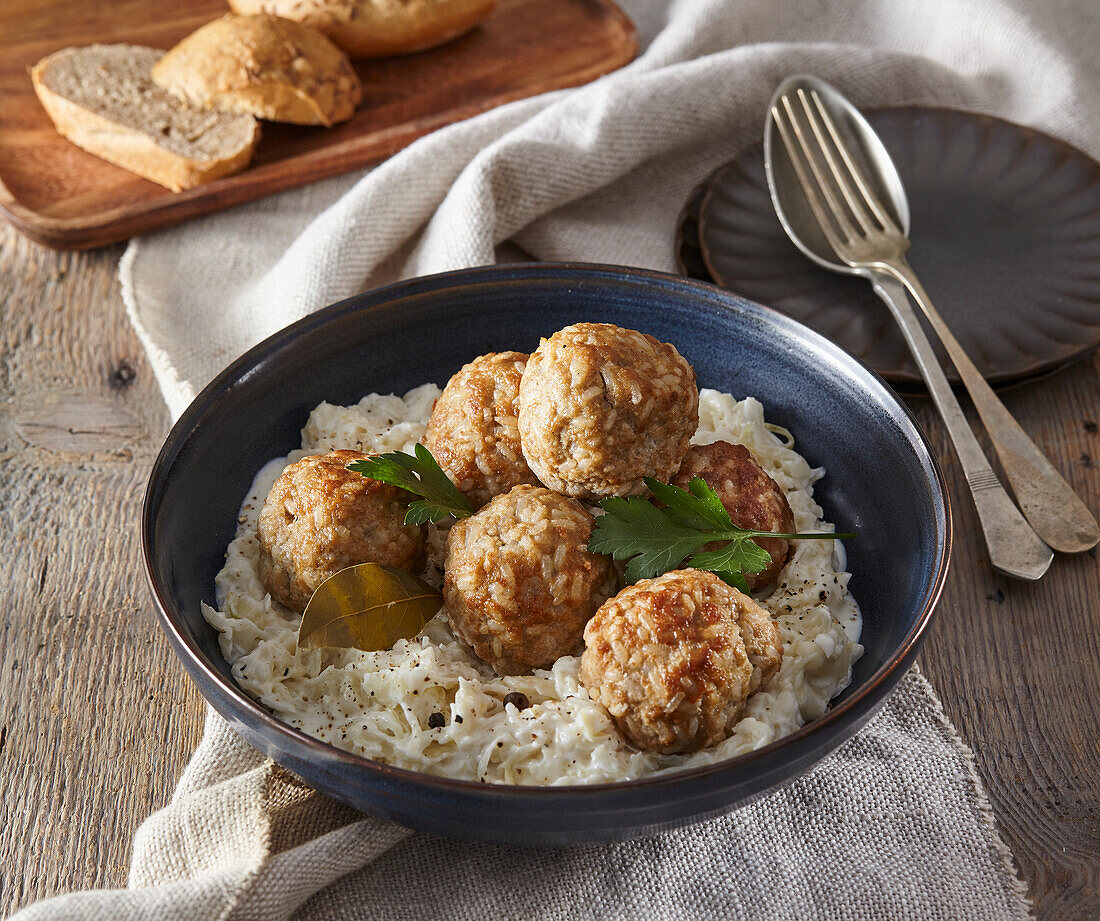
(60, 196)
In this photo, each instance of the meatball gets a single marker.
(321, 517)
(473, 431)
(674, 659)
(520, 583)
(600, 407)
(753, 499)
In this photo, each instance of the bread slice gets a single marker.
(377, 28)
(102, 98)
(270, 67)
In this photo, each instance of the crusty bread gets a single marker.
(102, 98)
(269, 67)
(377, 28)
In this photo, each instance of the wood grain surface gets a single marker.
(97, 719)
(63, 197)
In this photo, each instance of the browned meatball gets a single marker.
(321, 517)
(762, 639)
(753, 499)
(600, 407)
(473, 431)
(674, 659)
(519, 582)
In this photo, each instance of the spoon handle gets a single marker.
(1014, 548)
(1056, 513)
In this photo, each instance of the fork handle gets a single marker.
(1014, 548)
(1048, 502)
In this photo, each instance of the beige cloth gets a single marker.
(596, 174)
(895, 824)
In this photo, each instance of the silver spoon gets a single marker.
(1014, 547)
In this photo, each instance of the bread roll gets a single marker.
(270, 67)
(103, 99)
(377, 28)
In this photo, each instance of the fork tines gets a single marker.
(840, 197)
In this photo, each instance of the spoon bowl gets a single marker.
(840, 199)
(867, 151)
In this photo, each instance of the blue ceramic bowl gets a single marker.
(882, 482)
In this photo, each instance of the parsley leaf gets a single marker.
(636, 528)
(697, 507)
(738, 556)
(657, 538)
(421, 475)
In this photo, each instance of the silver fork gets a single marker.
(865, 237)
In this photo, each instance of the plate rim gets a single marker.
(1034, 372)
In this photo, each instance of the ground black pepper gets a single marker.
(437, 721)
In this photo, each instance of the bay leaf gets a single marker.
(368, 607)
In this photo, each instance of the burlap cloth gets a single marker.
(893, 825)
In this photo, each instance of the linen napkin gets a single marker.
(893, 825)
(599, 173)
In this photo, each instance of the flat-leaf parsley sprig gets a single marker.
(656, 539)
(421, 475)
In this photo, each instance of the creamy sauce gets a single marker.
(377, 704)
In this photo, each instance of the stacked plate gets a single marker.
(1006, 238)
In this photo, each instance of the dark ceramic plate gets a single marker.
(1006, 240)
(688, 249)
(882, 482)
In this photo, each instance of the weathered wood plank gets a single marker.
(1018, 665)
(76, 423)
(97, 718)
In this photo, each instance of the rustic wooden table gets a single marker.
(97, 719)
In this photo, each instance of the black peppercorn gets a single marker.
(437, 721)
(517, 699)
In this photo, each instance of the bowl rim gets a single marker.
(377, 298)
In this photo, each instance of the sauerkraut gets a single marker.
(380, 704)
